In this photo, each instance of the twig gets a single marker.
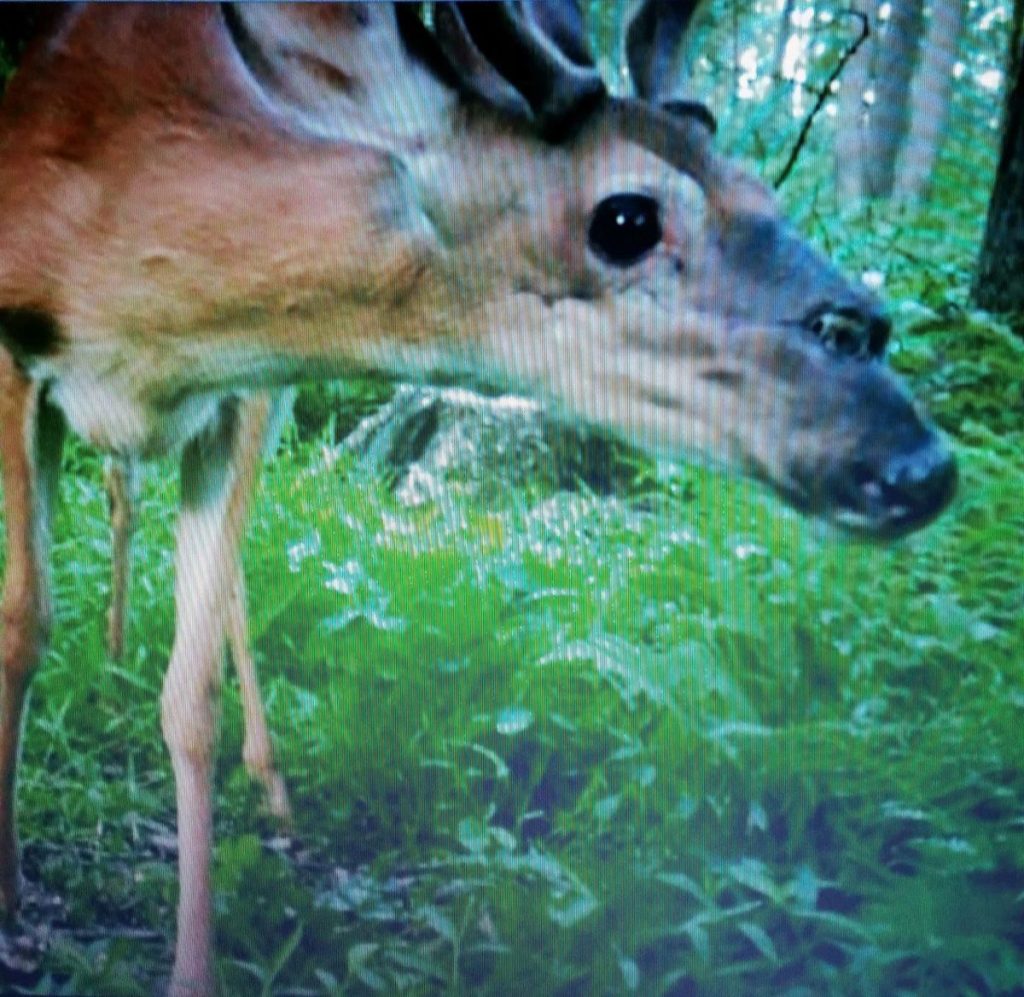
(805, 128)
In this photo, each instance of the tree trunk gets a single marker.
(999, 284)
(1016, 38)
(851, 138)
(782, 38)
(894, 70)
(930, 100)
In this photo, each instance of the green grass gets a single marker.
(672, 743)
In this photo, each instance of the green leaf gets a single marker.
(605, 808)
(758, 937)
(358, 960)
(283, 954)
(473, 835)
(439, 922)
(630, 972)
(570, 914)
(754, 876)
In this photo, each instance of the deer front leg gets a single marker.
(257, 749)
(31, 437)
(217, 479)
(122, 482)
(121, 477)
(268, 414)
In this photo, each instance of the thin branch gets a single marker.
(805, 128)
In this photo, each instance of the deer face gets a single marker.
(680, 310)
(599, 250)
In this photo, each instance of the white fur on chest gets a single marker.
(133, 403)
(111, 419)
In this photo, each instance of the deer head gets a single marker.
(275, 192)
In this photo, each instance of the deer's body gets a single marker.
(129, 223)
(201, 202)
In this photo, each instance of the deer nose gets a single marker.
(857, 330)
(905, 492)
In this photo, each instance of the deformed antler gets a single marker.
(530, 60)
(501, 54)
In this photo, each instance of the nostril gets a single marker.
(864, 478)
(925, 479)
(900, 494)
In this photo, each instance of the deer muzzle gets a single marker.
(835, 434)
(860, 452)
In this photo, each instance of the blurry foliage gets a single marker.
(339, 406)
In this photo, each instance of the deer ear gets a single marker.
(337, 70)
(653, 39)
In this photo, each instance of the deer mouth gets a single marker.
(881, 499)
(904, 495)
(837, 436)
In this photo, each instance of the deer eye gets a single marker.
(624, 228)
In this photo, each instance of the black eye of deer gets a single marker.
(624, 228)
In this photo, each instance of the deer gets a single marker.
(202, 205)
(121, 480)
